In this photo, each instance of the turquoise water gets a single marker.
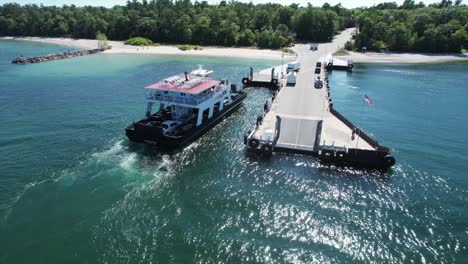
(74, 190)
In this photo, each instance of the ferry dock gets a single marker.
(269, 78)
(301, 119)
(338, 64)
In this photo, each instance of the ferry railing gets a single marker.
(187, 101)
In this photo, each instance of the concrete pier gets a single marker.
(301, 118)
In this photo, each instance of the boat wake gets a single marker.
(403, 72)
(118, 166)
(298, 210)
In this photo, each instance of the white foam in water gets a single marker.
(166, 162)
(8, 207)
(300, 164)
(117, 154)
(128, 161)
(67, 178)
(349, 86)
(406, 72)
(392, 70)
(114, 150)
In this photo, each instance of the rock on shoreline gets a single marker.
(58, 56)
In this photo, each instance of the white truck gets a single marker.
(293, 66)
(313, 46)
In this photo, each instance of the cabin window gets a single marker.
(166, 92)
(182, 94)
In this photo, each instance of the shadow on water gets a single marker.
(149, 150)
(384, 175)
(322, 169)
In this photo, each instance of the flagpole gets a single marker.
(357, 129)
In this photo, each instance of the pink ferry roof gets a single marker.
(167, 86)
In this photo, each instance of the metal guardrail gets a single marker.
(359, 132)
(348, 123)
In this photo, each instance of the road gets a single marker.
(302, 99)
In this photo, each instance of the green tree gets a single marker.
(400, 37)
(262, 20)
(277, 40)
(228, 33)
(147, 27)
(409, 27)
(247, 38)
(264, 39)
(182, 29)
(458, 40)
(201, 30)
(282, 29)
(102, 40)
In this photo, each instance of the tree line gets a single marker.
(409, 27)
(440, 27)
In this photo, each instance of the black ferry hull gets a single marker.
(139, 132)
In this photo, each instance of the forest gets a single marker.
(440, 27)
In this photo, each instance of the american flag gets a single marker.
(368, 100)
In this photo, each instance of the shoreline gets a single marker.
(403, 58)
(118, 47)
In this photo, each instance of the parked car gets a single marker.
(170, 126)
(318, 83)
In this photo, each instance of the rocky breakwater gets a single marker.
(58, 56)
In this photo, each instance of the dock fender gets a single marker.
(268, 149)
(327, 153)
(245, 80)
(330, 65)
(274, 81)
(259, 120)
(389, 160)
(265, 107)
(253, 143)
(341, 155)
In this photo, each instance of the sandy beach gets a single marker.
(118, 47)
(388, 57)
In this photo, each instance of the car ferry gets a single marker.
(189, 105)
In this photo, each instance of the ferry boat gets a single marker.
(189, 105)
